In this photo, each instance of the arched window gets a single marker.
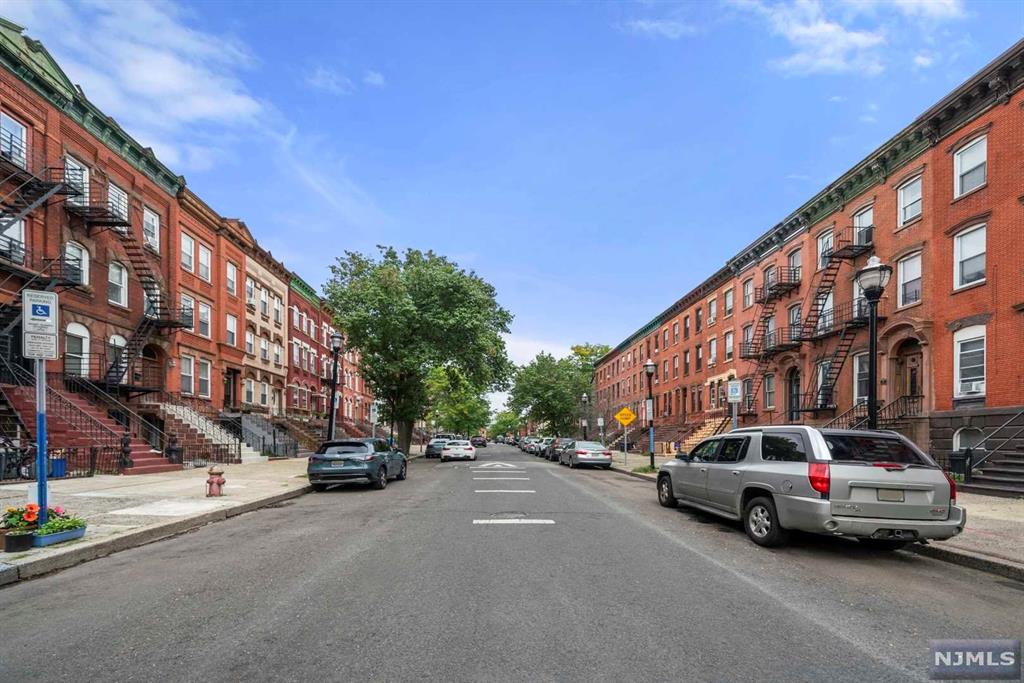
(117, 284)
(76, 349)
(967, 437)
(76, 262)
(115, 345)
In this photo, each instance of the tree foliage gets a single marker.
(549, 390)
(505, 422)
(453, 404)
(408, 313)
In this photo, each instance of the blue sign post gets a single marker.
(41, 459)
(39, 341)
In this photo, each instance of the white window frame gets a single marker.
(85, 258)
(277, 353)
(115, 207)
(151, 228)
(264, 302)
(208, 367)
(190, 363)
(249, 388)
(901, 203)
(188, 252)
(769, 392)
(205, 262)
(191, 306)
(71, 165)
(264, 349)
(958, 256)
(901, 280)
(278, 307)
(116, 267)
(748, 293)
(250, 291)
(231, 330)
(712, 311)
(959, 172)
(205, 315)
(727, 302)
(861, 226)
(825, 241)
(7, 144)
(729, 343)
(712, 352)
(250, 342)
(858, 360)
(231, 277)
(961, 337)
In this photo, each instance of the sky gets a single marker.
(592, 160)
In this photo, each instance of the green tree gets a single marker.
(549, 390)
(408, 313)
(505, 422)
(453, 404)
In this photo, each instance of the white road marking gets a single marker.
(496, 464)
(501, 479)
(513, 521)
(504, 491)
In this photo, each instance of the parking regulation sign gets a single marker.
(39, 324)
(735, 391)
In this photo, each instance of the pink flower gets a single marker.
(59, 510)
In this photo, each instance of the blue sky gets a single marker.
(593, 160)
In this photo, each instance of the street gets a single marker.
(523, 570)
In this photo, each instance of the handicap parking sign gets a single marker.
(41, 310)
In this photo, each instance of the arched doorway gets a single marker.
(907, 369)
(150, 372)
(793, 395)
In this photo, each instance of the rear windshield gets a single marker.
(348, 447)
(438, 442)
(856, 448)
(589, 445)
(457, 443)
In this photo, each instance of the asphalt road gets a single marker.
(401, 584)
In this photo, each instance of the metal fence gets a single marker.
(19, 464)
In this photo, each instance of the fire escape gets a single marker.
(826, 319)
(98, 210)
(767, 340)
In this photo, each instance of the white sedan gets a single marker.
(458, 450)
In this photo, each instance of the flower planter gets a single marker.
(59, 537)
(15, 543)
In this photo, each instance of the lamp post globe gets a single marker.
(872, 279)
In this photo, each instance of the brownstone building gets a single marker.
(941, 203)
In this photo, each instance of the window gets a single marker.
(733, 450)
(748, 394)
(769, 392)
(970, 167)
(187, 375)
(675, 366)
(909, 274)
(826, 316)
(728, 345)
(824, 388)
(712, 311)
(664, 370)
(748, 293)
(205, 257)
(664, 342)
(277, 353)
(794, 317)
(969, 361)
(231, 277)
(860, 378)
(13, 140)
(250, 291)
(686, 362)
(249, 391)
(712, 352)
(863, 224)
(793, 260)
(77, 258)
(675, 333)
(968, 437)
(187, 311)
(231, 327)
(117, 202)
(263, 393)
(188, 253)
(824, 248)
(77, 175)
(117, 284)
(969, 257)
(250, 342)
(909, 200)
(264, 302)
(748, 334)
(204, 319)
(686, 327)
(76, 349)
(151, 228)
(700, 358)
(705, 452)
(204, 378)
(697, 318)
(295, 351)
(783, 448)
(264, 348)
(277, 310)
(727, 298)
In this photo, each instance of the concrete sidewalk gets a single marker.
(993, 540)
(123, 512)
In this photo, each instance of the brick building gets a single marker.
(940, 202)
(157, 334)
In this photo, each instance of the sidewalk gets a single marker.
(993, 540)
(123, 512)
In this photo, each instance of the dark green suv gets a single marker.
(343, 460)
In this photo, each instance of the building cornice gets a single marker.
(305, 290)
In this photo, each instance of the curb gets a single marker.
(964, 558)
(10, 574)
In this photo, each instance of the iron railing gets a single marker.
(989, 452)
(19, 464)
(777, 282)
(95, 366)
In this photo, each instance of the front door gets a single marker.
(231, 388)
(793, 395)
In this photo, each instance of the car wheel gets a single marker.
(319, 487)
(403, 473)
(381, 482)
(882, 544)
(444, 459)
(473, 458)
(665, 495)
(571, 465)
(761, 522)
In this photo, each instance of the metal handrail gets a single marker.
(84, 383)
(990, 452)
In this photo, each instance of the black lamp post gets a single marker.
(584, 399)
(337, 341)
(650, 368)
(872, 280)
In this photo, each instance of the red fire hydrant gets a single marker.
(215, 484)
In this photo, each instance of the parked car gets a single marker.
(875, 486)
(589, 453)
(499, 439)
(434, 447)
(552, 450)
(528, 443)
(460, 449)
(344, 460)
(479, 442)
(541, 446)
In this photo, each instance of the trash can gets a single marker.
(958, 462)
(58, 468)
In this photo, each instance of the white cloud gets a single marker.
(522, 350)
(931, 9)
(374, 78)
(837, 98)
(329, 80)
(923, 60)
(672, 29)
(868, 118)
(798, 176)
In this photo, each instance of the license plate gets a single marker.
(895, 534)
(891, 495)
(339, 463)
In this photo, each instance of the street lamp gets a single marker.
(337, 341)
(584, 398)
(650, 368)
(872, 280)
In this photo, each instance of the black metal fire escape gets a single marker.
(767, 340)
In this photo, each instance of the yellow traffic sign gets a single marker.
(625, 417)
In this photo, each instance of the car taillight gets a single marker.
(952, 488)
(606, 452)
(581, 452)
(819, 476)
(445, 449)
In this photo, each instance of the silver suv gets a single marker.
(874, 486)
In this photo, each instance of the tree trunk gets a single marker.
(404, 436)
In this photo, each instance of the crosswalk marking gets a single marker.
(501, 479)
(504, 491)
(513, 521)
